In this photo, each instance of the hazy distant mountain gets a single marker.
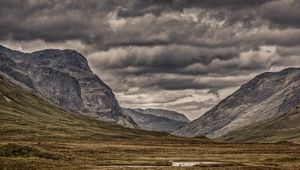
(165, 113)
(64, 77)
(283, 128)
(267, 96)
(157, 119)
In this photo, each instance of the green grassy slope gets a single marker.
(283, 128)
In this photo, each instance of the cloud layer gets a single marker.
(182, 55)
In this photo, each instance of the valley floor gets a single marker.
(154, 154)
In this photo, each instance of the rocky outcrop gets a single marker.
(65, 78)
(59, 87)
(266, 96)
(11, 69)
(157, 119)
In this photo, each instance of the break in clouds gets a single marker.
(183, 55)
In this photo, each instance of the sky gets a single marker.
(182, 55)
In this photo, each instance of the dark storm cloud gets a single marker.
(178, 84)
(49, 20)
(156, 7)
(54, 20)
(163, 52)
(183, 60)
(283, 13)
(161, 81)
(164, 57)
(89, 21)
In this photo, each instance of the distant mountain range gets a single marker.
(266, 98)
(157, 119)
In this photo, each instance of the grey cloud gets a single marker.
(283, 13)
(180, 84)
(184, 60)
(166, 57)
(50, 21)
(142, 48)
(156, 7)
(161, 81)
(53, 20)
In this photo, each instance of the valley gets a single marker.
(150, 85)
(36, 134)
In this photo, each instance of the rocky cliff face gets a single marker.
(266, 96)
(11, 69)
(64, 77)
(157, 119)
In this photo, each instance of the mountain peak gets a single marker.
(12, 54)
(58, 59)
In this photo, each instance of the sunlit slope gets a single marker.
(283, 128)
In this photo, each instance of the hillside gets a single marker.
(283, 128)
(65, 78)
(267, 96)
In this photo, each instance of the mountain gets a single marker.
(283, 128)
(165, 113)
(65, 78)
(157, 119)
(267, 96)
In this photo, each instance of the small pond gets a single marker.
(188, 164)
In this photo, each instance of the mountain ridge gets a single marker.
(266, 96)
